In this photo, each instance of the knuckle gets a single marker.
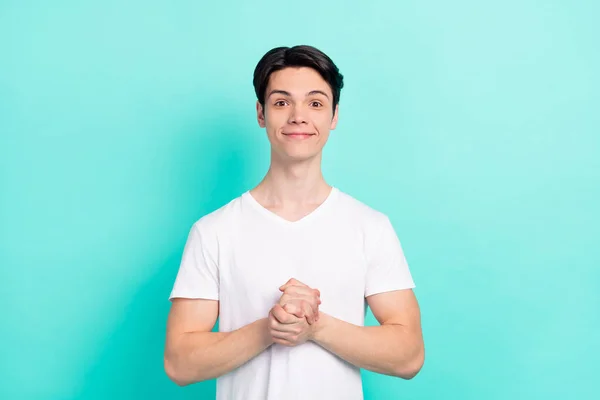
(290, 290)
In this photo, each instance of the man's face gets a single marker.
(298, 113)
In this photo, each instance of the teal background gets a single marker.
(474, 125)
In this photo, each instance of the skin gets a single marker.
(298, 100)
(395, 347)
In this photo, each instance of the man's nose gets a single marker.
(297, 115)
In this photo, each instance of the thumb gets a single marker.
(279, 313)
(292, 309)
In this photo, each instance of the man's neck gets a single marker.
(292, 184)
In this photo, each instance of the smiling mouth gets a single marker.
(299, 134)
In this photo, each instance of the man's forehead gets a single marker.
(298, 81)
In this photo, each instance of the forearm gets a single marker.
(386, 349)
(199, 356)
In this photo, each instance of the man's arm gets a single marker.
(394, 348)
(193, 353)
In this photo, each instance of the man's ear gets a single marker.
(260, 114)
(334, 121)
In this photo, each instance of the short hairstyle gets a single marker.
(297, 56)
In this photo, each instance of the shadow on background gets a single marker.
(209, 169)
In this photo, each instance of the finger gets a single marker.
(299, 303)
(293, 297)
(282, 316)
(301, 309)
(290, 329)
(303, 290)
(283, 342)
(291, 282)
(293, 309)
(275, 325)
(308, 313)
(296, 298)
(283, 329)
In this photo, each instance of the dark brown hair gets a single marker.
(297, 56)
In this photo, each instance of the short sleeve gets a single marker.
(387, 269)
(198, 276)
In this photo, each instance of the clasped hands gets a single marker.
(292, 320)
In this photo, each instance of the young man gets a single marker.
(289, 266)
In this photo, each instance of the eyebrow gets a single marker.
(285, 93)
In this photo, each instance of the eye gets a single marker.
(280, 103)
(316, 104)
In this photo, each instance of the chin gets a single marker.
(298, 156)
(302, 157)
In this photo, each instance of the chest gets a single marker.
(253, 264)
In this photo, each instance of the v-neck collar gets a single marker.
(277, 218)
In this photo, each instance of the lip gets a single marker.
(298, 136)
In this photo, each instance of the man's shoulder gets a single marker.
(219, 218)
(360, 211)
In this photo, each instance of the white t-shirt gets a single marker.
(242, 253)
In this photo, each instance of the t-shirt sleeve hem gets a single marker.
(193, 295)
(384, 289)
